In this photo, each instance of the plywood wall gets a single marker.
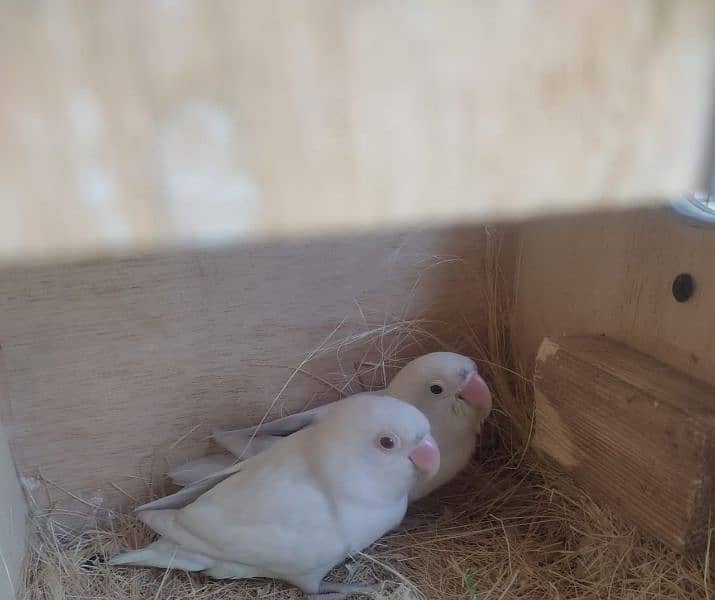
(111, 368)
(12, 522)
(612, 274)
(135, 123)
(106, 364)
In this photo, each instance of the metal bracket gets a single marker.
(696, 209)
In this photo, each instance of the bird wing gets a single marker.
(264, 435)
(273, 514)
(190, 493)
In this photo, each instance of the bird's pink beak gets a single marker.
(426, 456)
(476, 392)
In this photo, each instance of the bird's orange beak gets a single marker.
(426, 456)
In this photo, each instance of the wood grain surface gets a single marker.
(634, 432)
(109, 370)
(613, 274)
(130, 125)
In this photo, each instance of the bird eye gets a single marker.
(436, 389)
(387, 442)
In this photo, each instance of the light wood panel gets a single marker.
(12, 522)
(637, 434)
(612, 274)
(127, 125)
(106, 365)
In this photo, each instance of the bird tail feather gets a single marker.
(196, 470)
(165, 555)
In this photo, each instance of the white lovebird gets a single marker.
(304, 504)
(445, 386)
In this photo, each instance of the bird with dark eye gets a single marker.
(387, 442)
(436, 389)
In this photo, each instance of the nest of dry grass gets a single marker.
(505, 529)
(508, 528)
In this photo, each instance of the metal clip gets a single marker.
(697, 210)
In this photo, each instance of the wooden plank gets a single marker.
(106, 365)
(131, 125)
(612, 274)
(634, 432)
(12, 523)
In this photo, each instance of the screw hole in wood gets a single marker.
(683, 287)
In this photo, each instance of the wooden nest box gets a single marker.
(193, 198)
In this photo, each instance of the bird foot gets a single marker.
(340, 591)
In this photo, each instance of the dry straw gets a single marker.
(508, 528)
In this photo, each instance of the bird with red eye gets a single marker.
(326, 484)
(387, 442)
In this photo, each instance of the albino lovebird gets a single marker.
(445, 386)
(301, 506)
